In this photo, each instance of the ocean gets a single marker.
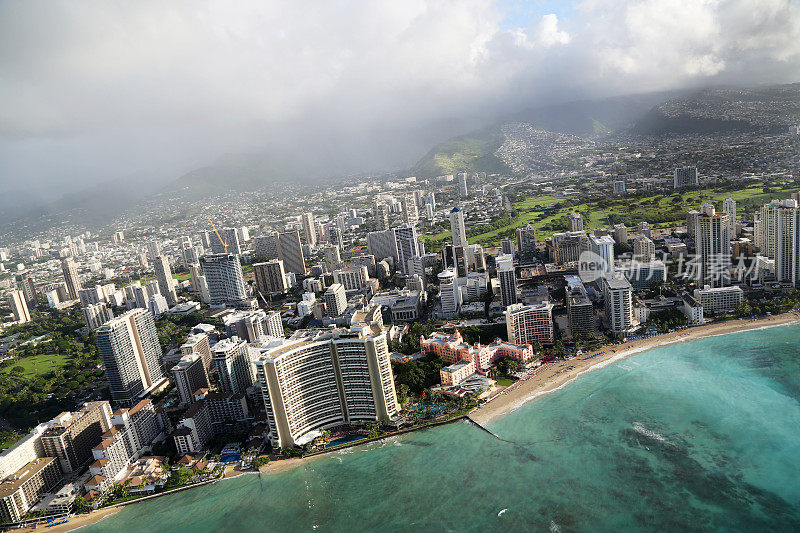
(703, 435)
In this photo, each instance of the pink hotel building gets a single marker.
(452, 349)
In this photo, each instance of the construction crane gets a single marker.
(224, 243)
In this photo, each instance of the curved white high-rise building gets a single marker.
(321, 379)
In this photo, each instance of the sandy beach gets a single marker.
(77, 521)
(553, 376)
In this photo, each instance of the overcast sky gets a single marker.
(102, 90)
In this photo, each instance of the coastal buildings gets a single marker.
(603, 249)
(618, 299)
(22, 489)
(457, 372)
(319, 379)
(787, 242)
(452, 348)
(528, 324)
(72, 435)
(131, 434)
(580, 312)
(643, 275)
(715, 299)
(713, 243)
(131, 355)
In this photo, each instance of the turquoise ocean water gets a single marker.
(696, 436)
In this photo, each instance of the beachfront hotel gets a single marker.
(319, 379)
(452, 348)
(527, 324)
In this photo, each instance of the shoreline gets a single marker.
(552, 377)
(544, 380)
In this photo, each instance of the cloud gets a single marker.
(100, 89)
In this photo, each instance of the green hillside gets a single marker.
(469, 153)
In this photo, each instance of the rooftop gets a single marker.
(13, 482)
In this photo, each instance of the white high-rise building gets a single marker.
(449, 293)
(166, 283)
(507, 275)
(223, 274)
(527, 324)
(457, 227)
(407, 246)
(410, 211)
(95, 315)
(644, 249)
(685, 177)
(335, 300)
(713, 244)
(603, 248)
(320, 379)
(787, 243)
(131, 354)
(309, 228)
(73, 281)
(232, 361)
(575, 221)
(729, 208)
(618, 297)
(19, 307)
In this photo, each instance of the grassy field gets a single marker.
(505, 381)
(37, 364)
(548, 214)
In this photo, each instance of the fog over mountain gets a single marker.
(99, 91)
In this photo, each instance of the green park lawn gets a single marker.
(504, 381)
(37, 365)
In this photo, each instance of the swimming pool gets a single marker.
(230, 458)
